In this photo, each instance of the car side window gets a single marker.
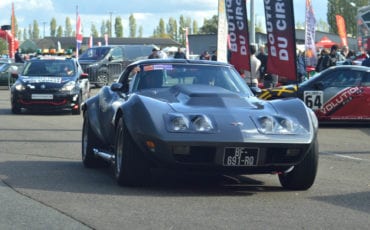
(366, 80)
(117, 53)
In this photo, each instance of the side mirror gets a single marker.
(116, 87)
(110, 58)
(14, 75)
(257, 91)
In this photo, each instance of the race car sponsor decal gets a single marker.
(313, 99)
(43, 80)
(338, 101)
(158, 67)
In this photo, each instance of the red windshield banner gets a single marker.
(281, 38)
(236, 12)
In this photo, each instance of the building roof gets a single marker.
(70, 42)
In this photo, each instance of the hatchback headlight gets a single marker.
(69, 86)
(19, 86)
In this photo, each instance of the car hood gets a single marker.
(187, 98)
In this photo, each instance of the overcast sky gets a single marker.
(147, 12)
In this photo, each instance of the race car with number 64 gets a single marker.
(197, 116)
(338, 94)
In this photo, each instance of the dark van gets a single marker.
(105, 63)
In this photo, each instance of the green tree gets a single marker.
(209, 26)
(321, 25)
(160, 31)
(29, 31)
(68, 27)
(60, 31)
(118, 27)
(108, 27)
(3, 46)
(103, 28)
(24, 34)
(140, 31)
(94, 31)
(132, 26)
(53, 27)
(172, 28)
(347, 10)
(35, 30)
(195, 27)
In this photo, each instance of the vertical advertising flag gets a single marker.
(222, 43)
(12, 42)
(342, 32)
(78, 35)
(106, 39)
(187, 52)
(91, 41)
(281, 38)
(310, 35)
(236, 12)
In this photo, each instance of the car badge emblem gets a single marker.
(237, 124)
(42, 86)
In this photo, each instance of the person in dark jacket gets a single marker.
(17, 57)
(179, 54)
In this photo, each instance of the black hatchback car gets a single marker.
(49, 84)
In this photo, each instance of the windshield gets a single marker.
(167, 75)
(96, 53)
(49, 68)
(137, 52)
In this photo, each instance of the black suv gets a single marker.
(105, 63)
(50, 83)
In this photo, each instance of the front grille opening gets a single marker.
(280, 155)
(197, 154)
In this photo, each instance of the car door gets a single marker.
(339, 96)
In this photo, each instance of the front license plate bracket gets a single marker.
(240, 156)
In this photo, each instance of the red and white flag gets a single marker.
(91, 41)
(78, 35)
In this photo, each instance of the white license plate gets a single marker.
(240, 156)
(42, 96)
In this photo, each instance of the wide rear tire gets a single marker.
(303, 175)
(130, 167)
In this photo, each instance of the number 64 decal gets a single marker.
(313, 99)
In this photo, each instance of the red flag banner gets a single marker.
(281, 38)
(341, 24)
(236, 12)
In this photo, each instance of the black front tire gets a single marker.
(16, 109)
(88, 141)
(102, 79)
(303, 175)
(130, 167)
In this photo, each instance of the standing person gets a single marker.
(323, 53)
(366, 61)
(301, 66)
(262, 56)
(204, 55)
(179, 54)
(252, 77)
(154, 54)
(331, 58)
(17, 57)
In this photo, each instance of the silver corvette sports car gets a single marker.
(199, 116)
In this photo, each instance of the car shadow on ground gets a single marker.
(72, 177)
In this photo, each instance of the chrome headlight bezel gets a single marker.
(199, 123)
(273, 125)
